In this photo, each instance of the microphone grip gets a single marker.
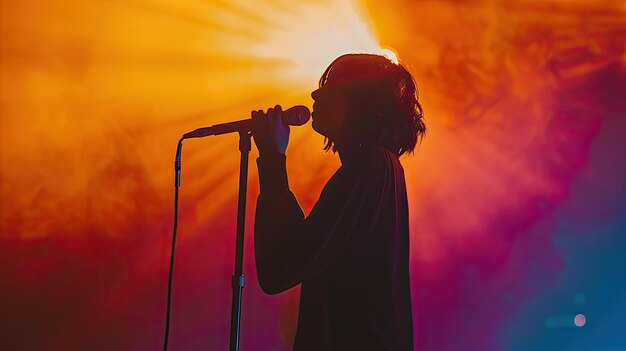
(296, 115)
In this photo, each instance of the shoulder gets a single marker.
(385, 164)
(370, 161)
(375, 163)
(379, 156)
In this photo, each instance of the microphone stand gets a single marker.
(237, 279)
(296, 115)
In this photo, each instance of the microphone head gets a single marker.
(296, 115)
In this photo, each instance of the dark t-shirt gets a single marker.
(351, 254)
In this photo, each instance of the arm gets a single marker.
(290, 248)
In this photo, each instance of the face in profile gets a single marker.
(366, 99)
(329, 111)
(342, 95)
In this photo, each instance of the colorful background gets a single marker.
(517, 194)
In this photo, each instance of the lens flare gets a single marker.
(580, 320)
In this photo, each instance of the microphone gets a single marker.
(294, 116)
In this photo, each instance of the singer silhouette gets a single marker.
(351, 254)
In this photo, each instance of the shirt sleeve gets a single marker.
(290, 248)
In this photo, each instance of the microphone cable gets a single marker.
(171, 272)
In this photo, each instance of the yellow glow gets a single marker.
(104, 83)
(108, 87)
(314, 35)
(390, 54)
(94, 96)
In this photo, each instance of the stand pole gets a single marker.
(237, 280)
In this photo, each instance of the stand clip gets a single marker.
(238, 281)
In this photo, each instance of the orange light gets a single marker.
(314, 35)
(390, 54)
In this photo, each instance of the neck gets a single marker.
(349, 153)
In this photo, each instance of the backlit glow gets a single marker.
(390, 54)
(95, 94)
(315, 34)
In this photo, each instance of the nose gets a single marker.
(315, 94)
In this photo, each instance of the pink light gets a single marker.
(580, 320)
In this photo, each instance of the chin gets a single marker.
(314, 125)
(317, 129)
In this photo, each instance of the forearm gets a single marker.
(278, 217)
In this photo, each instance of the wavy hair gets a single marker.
(381, 100)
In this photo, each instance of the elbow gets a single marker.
(269, 289)
(270, 285)
(273, 273)
(273, 281)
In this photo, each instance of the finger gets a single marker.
(271, 115)
(274, 116)
(279, 115)
(256, 114)
(278, 111)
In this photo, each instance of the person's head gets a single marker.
(366, 99)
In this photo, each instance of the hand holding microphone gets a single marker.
(271, 133)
